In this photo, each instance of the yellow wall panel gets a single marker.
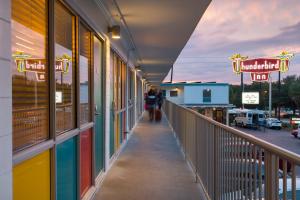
(31, 179)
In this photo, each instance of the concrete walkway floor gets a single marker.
(151, 167)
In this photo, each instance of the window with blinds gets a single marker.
(119, 68)
(29, 68)
(64, 68)
(85, 61)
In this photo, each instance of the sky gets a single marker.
(254, 28)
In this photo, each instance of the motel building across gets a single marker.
(210, 99)
(72, 78)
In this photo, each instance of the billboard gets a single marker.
(250, 98)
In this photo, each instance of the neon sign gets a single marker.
(25, 63)
(260, 68)
(260, 65)
(63, 63)
(259, 77)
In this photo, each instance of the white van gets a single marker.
(247, 118)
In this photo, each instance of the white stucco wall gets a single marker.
(179, 99)
(5, 102)
(194, 94)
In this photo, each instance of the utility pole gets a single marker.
(260, 96)
(172, 74)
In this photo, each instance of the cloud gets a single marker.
(251, 27)
(289, 38)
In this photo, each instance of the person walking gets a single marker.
(160, 99)
(151, 103)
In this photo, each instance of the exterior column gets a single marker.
(135, 97)
(5, 101)
(227, 117)
(143, 92)
(127, 98)
(108, 98)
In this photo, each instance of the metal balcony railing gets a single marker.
(230, 164)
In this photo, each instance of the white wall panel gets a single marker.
(194, 94)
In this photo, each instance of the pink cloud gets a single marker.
(251, 27)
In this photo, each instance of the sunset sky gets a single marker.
(254, 28)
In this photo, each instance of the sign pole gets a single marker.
(279, 88)
(270, 96)
(242, 86)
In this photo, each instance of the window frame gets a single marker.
(90, 73)
(207, 98)
(75, 62)
(173, 92)
(53, 139)
(47, 57)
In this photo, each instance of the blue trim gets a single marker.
(193, 84)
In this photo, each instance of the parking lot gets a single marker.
(281, 138)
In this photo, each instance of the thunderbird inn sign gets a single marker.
(260, 68)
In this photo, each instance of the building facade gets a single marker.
(70, 89)
(210, 99)
(66, 90)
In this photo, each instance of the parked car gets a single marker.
(289, 194)
(273, 123)
(296, 130)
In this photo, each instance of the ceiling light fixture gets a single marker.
(24, 40)
(115, 31)
(138, 68)
(22, 45)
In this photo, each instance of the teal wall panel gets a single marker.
(99, 145)
(112, 133)
(66, 166)
(99, 109)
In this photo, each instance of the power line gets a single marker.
(227, 57)
(202, 62)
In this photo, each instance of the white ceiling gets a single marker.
(159, 30)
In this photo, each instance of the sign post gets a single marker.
(270, 95)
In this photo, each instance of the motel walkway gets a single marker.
(151, 167)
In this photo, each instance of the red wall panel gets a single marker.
(85, 161)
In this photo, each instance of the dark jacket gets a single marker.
(151, 99)
(160, 98)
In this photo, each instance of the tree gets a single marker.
(289, 96)
(294, 92)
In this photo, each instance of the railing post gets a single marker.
(270, 176)
(215, 162)
(196, 150)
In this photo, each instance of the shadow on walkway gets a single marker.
(151, 167)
